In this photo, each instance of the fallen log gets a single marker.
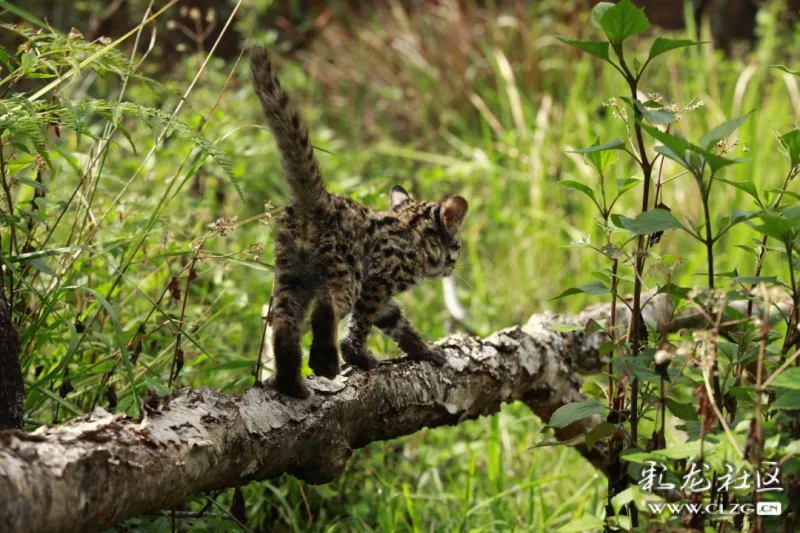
(98, 470)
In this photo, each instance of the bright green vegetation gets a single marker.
(481, 107)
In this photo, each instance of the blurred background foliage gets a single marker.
(119, 279)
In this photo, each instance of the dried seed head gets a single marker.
(223, 225)
(194, 13)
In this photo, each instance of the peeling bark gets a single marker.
(98, 470)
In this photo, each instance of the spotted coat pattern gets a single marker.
(343, 257)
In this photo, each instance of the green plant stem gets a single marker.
(647, 170)
(760, 262)
(13, 241)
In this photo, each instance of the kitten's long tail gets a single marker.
(299, 164)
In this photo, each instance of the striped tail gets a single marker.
(299, 164)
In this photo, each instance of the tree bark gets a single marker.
(12, 391)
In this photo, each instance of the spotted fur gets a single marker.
(343, 257)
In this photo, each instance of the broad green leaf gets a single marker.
(662, 45)
(715, 162)
(610, 145)
(626, 184)
(569, 413)
(788, 379)
(747, 186)
(623, 498)
(749, 280)
(684, 411)
(566, 328)
(789, 400)
(600, 432)
(601, 159)
(585, 523)
(722, 131)
(598, 11)
(650, 222)
(677, 146)
(787, 69)
(623, 20)
(774, 226)
(585, 189)
(595, 48)
(593, 287)
(790, 144)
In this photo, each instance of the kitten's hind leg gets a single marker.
(291, 303)
(392, 323)
(336, 301)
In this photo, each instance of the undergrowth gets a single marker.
(137, 207)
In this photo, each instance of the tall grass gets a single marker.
(124, 282)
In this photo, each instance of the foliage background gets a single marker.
(478, 100)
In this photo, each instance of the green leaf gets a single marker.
(714, 161)
(601, 159)
(585, 523)
(616, 144)
(788, 379)
(600, 432)
(662, 45)
(595, 48)
(626, 184)
(684, 411)
(569, 413)
(593, 287)
(747, 186)
(786, 69)
(774, 226)
(598, 11)
(566, 328)
(790, 144)
(722, 131)
(677, 146)
(650, 222)
(585, 189)
(789, 400)
(623, 20)
(157, 386)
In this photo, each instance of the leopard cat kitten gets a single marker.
(345, 257)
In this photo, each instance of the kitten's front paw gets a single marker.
(324, 360)
(359, 357)
(292, 387)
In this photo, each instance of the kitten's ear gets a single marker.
(397, 196)
(452, 213)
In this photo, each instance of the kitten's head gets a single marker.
(437, 225)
